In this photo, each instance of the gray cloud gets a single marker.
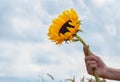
(26, 50)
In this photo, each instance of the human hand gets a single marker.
(95, 62)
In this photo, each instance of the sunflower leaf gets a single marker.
(80, 30)
(75, 40)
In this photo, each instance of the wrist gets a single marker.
(105, 73)
(108, 72)
(112, 73)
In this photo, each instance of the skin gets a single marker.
(103, 70)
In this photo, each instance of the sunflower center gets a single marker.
(64, 29)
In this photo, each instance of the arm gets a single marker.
(113, 74)
(102, 69)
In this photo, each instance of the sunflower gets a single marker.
(64, 27)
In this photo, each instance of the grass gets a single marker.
(73, 79)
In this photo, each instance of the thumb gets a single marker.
(85, 50)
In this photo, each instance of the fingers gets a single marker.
(91, 57)
(90, 68)
(91, 63)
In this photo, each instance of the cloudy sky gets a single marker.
(26, 54)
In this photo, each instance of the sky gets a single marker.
(26, 53)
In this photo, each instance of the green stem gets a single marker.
(88, 53)
(80, 39)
